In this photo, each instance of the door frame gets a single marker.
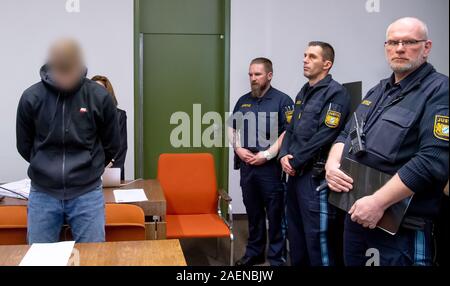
(138, 93)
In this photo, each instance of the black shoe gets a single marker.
(250, 261)
(277, 263)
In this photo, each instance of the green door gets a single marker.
(182, 64)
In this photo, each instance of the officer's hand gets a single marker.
(367, 212)
(258, 159)
(245, 155)
(337, 180)
(287, 168)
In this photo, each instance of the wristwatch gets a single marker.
(267, 155)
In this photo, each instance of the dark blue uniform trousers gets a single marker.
(311, 223)
(263, 194)
(406, 248)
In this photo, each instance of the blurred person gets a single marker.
(67, 131)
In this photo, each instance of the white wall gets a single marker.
(281, 29)
(27, 28)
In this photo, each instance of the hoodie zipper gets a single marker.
(64, 145)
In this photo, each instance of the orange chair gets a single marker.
(124, 223)
(13, 225)
(193, 200)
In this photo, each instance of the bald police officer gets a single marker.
(406, 135)
(321, 109)
(256, 129)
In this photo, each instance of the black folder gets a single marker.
(367, 181)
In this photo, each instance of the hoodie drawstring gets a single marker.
(56, 109)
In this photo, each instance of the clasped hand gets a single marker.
(250, 158)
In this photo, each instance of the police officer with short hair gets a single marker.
(321, 109)
(256, 130)
(405, 134)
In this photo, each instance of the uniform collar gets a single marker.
(412, 80)
(324, 82)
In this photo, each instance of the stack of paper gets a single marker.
(130, 196)
(18, 190)
(48, 254)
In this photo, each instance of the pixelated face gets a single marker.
(66, 64)
(66, 75)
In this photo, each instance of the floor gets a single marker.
(202, 252)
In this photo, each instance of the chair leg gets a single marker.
(217, 247)
(231, 249)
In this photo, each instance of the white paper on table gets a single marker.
(48, 254)
(22, 187)
(130, 196)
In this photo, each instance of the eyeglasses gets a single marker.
(405, 43)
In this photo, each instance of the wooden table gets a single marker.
(140, 253)
(154, 209)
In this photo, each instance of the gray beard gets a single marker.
(402, 69)
(407, 67)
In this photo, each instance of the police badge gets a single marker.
(441, 127)
(288, 113)
(333, 119)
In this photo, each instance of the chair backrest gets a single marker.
(355, 91)
(124, 223)
(189, 183)
(13, 225)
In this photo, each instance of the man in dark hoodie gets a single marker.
(67, 130)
